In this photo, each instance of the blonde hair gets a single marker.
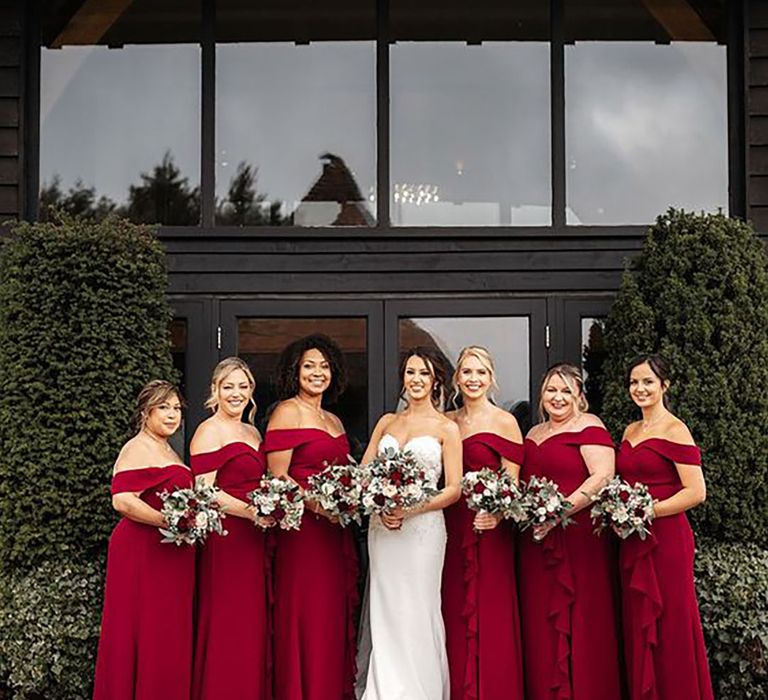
(153, 394)
(220, 373)
(485, 358)
(573, 379)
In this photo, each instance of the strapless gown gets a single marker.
(403, 638)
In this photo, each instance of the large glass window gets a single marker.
(507, 339)
(646, 109)
(470, 126)
(120, 111)
(295, 114)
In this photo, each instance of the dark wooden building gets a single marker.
(386, 171)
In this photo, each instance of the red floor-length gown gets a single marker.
(663, 643)
(568, 585)
(145, 648)
(315, 584)
(231, 647)
(480, 607)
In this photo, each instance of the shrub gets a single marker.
(698, 293)
(83, 324)
(732, 586)
(49, 629)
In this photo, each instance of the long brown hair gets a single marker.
(438, 367)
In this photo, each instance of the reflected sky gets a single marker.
(646, 124)
(506, 338)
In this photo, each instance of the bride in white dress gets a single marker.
(402, 649)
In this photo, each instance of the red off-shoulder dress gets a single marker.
(568, 586)
(315, 583)
(145, 648)
(480, 607)
(663, 643)
(231, 644)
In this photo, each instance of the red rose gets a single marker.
(396, 477)
(639, 513)
(623, 496)
(379, 499)
(278, 513)
(346, 481)
(186, 523)
(291, 496)
(192, 503)
(479, 488)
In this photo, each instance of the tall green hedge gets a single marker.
(83, 324)
(698, 293)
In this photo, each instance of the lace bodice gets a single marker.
(426, 448)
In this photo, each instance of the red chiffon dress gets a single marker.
(315, 583)
(568, 586)
(663, 642)
(232, 597)
(145, 649)
(480, 608)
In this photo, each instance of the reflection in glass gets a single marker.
(178, 332)
(592, 359)
(506, 338)
(120, 126)
(261, 340)
(470, 134)
(295, 134)
(646, 123)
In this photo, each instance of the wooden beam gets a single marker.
(91, 22)
(679, 20)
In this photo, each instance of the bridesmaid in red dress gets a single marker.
(568, 602)
(232, 636)
(480, 608)
(315, 577)
(145, 649)
(663, 642)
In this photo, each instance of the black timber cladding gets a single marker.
(11, 110)
(757, 113)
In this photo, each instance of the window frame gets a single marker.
(207, 228)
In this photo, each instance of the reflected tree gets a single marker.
(79, 200)
(163, 197)
(594, 357)
(244, 205)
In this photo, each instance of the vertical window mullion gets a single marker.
(208, 115)
(557, 115)
(382, 114)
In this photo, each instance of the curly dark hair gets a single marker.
(287, 371)
(438, 365)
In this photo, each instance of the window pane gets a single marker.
(295, 116)
(261, 340)
(178, 332)
(120, 111)
(593, 357)
(646, 123)
(455, 163)
(506, 338)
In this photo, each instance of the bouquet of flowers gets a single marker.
(493, 491)
(338, 489)
(626, 509)
(191, 514)
(545, 504)
(395, 479)
(279, 498)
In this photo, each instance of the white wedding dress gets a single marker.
(402, 647)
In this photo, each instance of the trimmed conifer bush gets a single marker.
(83, 325)
(698, 293)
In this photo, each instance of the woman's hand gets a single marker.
(541, 531)
(486, 521)
(314, 507)
(393, 520)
